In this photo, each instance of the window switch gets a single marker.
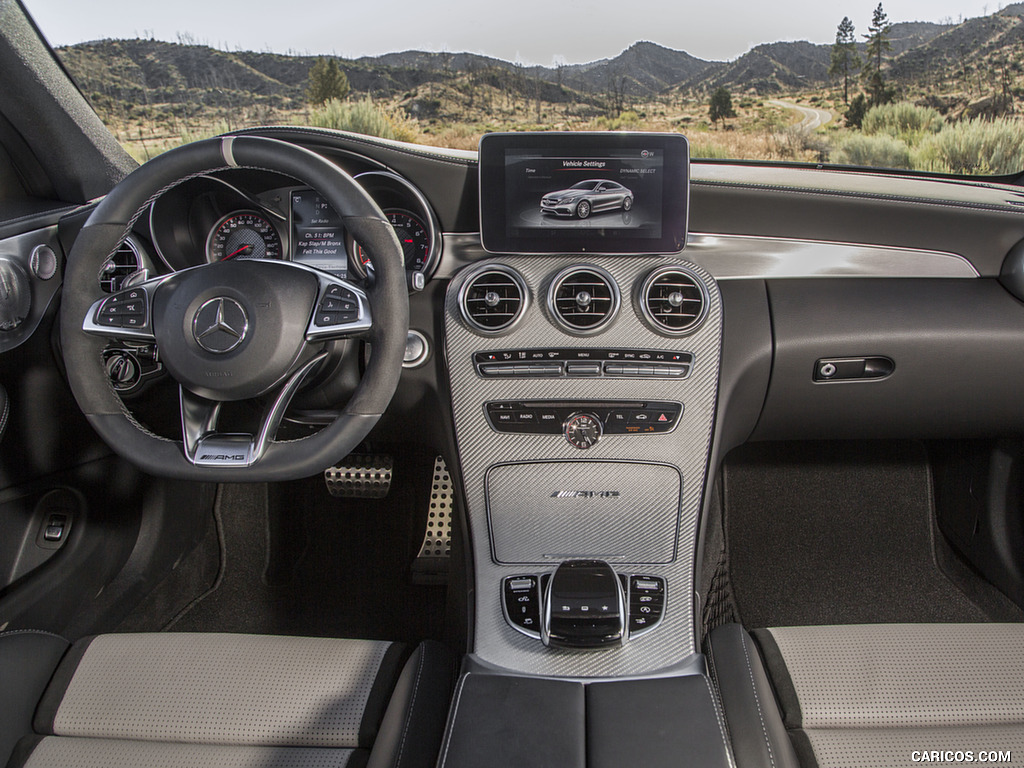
(54, 530)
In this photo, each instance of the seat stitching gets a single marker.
(714, 676)
(721, 722)
(757, 702)
(412, 706)
(455, 715)
(32, 632)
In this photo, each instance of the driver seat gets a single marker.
(170, 700)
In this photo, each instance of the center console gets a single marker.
(583, 359)
(603, 462)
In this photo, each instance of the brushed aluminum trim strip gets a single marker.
(737, 257)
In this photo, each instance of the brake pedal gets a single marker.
(364, 477)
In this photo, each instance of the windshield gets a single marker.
(919, 85)
(585, 185)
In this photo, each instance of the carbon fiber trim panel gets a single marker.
(686, 449)
(614, 511)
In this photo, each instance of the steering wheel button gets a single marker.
(337, 292)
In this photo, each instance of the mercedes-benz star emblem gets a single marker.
(220, 325)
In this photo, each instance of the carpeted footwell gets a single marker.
(835, 533)
(297, 561)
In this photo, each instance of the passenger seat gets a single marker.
(171, 700)
(885, 695)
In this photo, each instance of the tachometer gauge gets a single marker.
(243, 235)
(413, 236)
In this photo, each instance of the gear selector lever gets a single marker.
(584, 607)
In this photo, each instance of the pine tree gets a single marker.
(878, 43)
(878, 37)
(326, 81)
(721, 105)
(845, 60)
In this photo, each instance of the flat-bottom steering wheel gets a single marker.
(234, 330)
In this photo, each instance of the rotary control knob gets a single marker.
(123, 370)
(582, 430)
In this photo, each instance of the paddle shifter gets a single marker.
(584, 606)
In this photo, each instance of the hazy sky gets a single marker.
(532, 31)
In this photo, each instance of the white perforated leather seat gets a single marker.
(234, 701)
(885, 695)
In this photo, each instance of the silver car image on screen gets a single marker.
(587, 197)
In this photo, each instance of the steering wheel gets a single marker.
(234, 330)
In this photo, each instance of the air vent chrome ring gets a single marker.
(495, 306)
(673, 300)
(125, 261)
(583, 299)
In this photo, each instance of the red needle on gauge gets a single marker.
(236, 252)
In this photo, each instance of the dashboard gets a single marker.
(570, 387)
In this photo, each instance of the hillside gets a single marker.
(948, 65)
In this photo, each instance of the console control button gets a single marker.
(646, 602)
(575, 361)
(583, 369)
(522, 604)
(617, 417)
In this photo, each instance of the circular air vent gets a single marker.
(492, 300)
(673, 300)
(583, 299)
(125, 261)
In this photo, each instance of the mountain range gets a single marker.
(145, 71)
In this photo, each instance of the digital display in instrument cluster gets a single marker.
(318, 239)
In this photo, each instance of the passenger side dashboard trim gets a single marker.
(741, 257)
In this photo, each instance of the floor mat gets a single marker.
(299, 561)
(835, 534)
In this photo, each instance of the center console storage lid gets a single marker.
(668, 722)
(508, 722)
(502, 721)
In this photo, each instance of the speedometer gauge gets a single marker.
(243, 235)
(413, 236)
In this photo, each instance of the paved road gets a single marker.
(812, 118)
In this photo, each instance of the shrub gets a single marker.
(880, 151)
(902, 120)
(855, 112)
(362, 117)
(709, 152)
(974, 147)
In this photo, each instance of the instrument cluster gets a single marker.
(255, 215)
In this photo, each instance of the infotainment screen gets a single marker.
(584, 192)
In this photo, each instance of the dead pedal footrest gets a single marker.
(437, 538)
(364, 477)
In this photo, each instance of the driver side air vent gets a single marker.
(494, 299)
(124, 262)
(673, 300)
(583, 299)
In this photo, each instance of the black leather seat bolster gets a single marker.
(27, 662)
(413, 725)
(400, 725)
(756, 728)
